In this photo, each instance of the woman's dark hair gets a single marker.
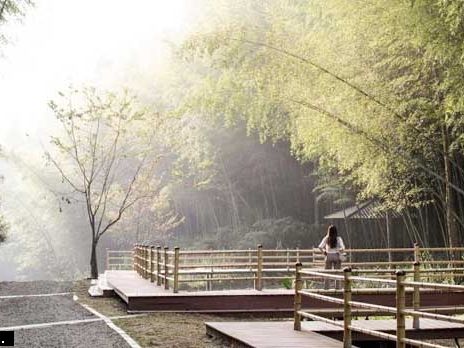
(332, 233)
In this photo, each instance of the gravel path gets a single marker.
(84, 335)
(32, 288)
(19, 311)
(36, 310)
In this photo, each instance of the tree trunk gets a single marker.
(451, 223)
(93, 261)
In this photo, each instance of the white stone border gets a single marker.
(42, 325)
(36, 295)
(113, 326)
(66, 322)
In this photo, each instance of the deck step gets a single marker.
(100, 287)
(268, 334)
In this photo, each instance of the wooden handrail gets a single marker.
(400, 311)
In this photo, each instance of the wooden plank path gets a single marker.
(142, 295)
(269, 335)
(273, 334)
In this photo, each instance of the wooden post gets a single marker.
(416, 252)
(176, 270)
(400, 306)
(250, 259)
(135, 259)
(297, 298)
(141, 260)
(145, 261)
(152, 266)
(297, 255)
(139, 255)
(210, 282)
(347, 308)
(166, 268)
(158, 265)
(259, 269)
(288, 260)
(416, 296)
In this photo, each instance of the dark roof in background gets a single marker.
(366, 210)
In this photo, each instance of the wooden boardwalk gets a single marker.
(269, 335)
(142, 295)
(318, 334)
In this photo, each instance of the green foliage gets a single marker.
(366, 89)
(11, 10)
(287, 283)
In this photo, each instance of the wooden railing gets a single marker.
(265, 267)
(119, 260)
(171, 268)
(400, 311)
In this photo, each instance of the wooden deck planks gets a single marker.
(319, 334)
(270, 335)
(133, 285)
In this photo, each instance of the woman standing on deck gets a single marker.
(332, 247)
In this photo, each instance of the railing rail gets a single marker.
(119, 259)
(400, 311)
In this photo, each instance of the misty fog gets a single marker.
(215, 125)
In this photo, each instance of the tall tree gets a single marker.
(106, 156)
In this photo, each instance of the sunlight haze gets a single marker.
(64, 42)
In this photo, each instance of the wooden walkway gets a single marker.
(318, 334)
(142, 295)
(269, 335)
